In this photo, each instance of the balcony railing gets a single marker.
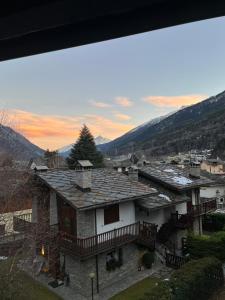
(85, 247)
(204, 208)
(183, 221)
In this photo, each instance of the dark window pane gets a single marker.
(111, 214)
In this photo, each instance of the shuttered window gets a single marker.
(111, 214)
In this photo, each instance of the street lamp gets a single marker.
(92, 276)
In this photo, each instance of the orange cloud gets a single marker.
(122, 117)
(174, 101)
(123, 101)
(53, 131)
(100, 104)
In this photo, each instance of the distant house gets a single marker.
(215, 190)
(213, 166)
(37, 164)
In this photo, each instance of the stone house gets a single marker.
(89, 224)
(179, 188)
(95, 219)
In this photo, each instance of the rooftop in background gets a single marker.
(85, 163)
(217, 179)
(30, 27)
(108, 187)
(173, 177)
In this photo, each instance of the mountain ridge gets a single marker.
(16, 145)
(196, 126)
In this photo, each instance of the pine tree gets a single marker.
(85, 149)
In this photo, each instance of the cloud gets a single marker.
(99, 104)
(123, 101)
(54, 131)
(122, 117)
(174, 101)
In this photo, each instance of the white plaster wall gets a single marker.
(210, 192)
(7, 219)
(181, 208)
(127, 216)
(157, 217)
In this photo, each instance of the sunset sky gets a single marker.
(115, 85)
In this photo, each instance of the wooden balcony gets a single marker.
(182, 221)
(204, 208)
(144, 234)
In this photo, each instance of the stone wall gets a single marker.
(79, 270)
(85, 223)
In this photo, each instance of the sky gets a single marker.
(113, 86)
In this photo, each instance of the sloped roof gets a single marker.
(85, 163)
(160, 200)
(108, 186)
(173, 177)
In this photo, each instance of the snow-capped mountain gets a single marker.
(199, 126)
(98, 141)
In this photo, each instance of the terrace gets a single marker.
(183, 221)
(144, 234)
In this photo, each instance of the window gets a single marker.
(111, 214)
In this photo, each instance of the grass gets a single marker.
(16, 284)
(137, 290)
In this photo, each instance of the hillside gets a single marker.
(198, 126)
(16, 145)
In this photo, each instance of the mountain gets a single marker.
(198, 126)
(16, 145)
(64, 151)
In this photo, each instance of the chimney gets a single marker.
(133, 173)
(194, 170)
(83, 178)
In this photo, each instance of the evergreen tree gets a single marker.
(85, 149)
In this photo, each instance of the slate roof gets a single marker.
(216, 179)
(164, 197)
(85, 163)
(108, 186)
(160, 201)
(173, 177)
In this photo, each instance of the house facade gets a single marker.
(86, 223)
(93, 221)
(213, 166)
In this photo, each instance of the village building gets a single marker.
(93, 220)
(92, 214)
(213, 166)
(215, 190)
(179, 188)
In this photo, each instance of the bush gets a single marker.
(197, 279)
(202, 246)
(148, 259)
(214, 222)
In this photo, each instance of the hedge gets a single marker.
(202, 246)
(214, 222)
(197, 279)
